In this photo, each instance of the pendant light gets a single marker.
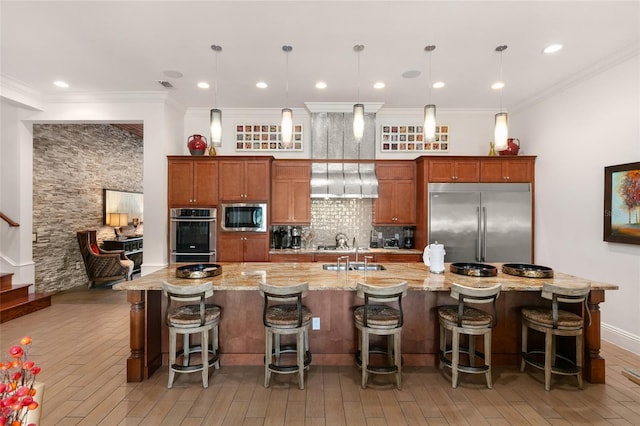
(286, 127)
(429, 127)
(358, 108)
(215, 115)
(501, 129)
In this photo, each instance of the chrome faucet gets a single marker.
(355, 246)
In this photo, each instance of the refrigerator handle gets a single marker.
(479, 237)
(484, 234)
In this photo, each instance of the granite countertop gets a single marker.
(361, 251)
(246, 276)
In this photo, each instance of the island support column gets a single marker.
(594, 368)
(144, 334)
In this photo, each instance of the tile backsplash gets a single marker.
(352, 217)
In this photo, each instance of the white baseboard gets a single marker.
(621, 338)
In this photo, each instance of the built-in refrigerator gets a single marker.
(481, 222)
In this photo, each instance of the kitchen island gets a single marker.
(332, 298)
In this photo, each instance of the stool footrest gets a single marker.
(569, 368)
(289, 368)
(464, 367)
(195, 367)
(379, 369)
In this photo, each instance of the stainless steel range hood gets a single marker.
(344, 180)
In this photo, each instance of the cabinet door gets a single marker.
(257, 180)
(404, 202)
(180, 183)
(384, 205)
(281, 202)
(231, 179)
(256, 248)
(300, 201)
(205, 183)
(230, 248)
(520, 170)
(402, 258)
(454, 171)
(491, 171)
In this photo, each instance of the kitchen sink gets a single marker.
(360, 266)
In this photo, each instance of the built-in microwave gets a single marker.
(244, 217)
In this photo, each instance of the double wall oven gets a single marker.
(193, 235)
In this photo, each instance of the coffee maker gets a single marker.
(408, 236)
(295, 237)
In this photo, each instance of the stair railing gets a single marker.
(9, 221)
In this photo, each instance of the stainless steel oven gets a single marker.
(193, 235)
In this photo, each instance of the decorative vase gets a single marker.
(33, 416)
(492, 151)
(212, 151)
(197, 144)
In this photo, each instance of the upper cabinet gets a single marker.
(452, 169)
(193, 181)
(506, 169)
(396, 202)
(245, 179)
(290, 188)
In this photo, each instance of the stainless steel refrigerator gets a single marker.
(481, 222)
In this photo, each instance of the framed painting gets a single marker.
(622, 203)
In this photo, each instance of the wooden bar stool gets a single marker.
(377, 317)
(282, 317)
(555, 322)
(464, 319)
(188, 319)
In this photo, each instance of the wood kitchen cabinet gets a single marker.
(397, 258)
(451, 169)
(396, 202)
(245, 179)
(290, 189)
(193, 181)
(242, 247)
(505, 169)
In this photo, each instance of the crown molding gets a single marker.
(17, 92)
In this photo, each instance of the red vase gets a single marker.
(197, 144)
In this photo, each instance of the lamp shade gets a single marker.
(118, 219)
(216, 127)
(501, 131)
(429, 123)
(286, 128)
(358, 121)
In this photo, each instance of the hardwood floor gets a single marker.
(82, 342)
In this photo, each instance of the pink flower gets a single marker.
(16, 351)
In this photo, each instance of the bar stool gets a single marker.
(281, 317)
(555, 322)
(464, 319)
(377, 317)
(188, 319)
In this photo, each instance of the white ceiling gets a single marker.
(126, 46)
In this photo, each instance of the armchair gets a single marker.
(102, 265)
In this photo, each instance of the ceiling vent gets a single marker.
(165, 83)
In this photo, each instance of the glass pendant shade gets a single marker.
(216, 127)
(358, 121)
(286, 128)
(429, 128)
(501, 131)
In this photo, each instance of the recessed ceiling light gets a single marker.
(411, 74)
(321, 85)
(60, 83)
(438, 85)
(261, 85)
(378, 85)
(552, 48)
(203, 85)
(497, 85)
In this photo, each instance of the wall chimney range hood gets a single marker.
(344, 180)
(338, 170)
